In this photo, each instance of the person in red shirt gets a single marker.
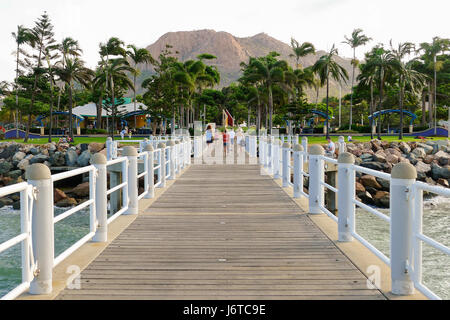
(226, 140)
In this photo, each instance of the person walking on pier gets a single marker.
(226, 140)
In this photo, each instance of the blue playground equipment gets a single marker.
(54, 113)
(319, 113)
(378, 114)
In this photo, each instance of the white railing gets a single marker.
(37, 211)
(28, 263)
(406, 204)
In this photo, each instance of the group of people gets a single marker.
(229, 137)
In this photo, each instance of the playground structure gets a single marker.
(377, 115)
(315, 119)
(78, 120)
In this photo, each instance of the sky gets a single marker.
(142, 22)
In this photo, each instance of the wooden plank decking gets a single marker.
(222, 232)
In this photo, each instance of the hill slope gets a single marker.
(231, 51)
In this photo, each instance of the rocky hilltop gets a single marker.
(231, 51)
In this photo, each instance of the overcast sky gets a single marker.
(142, 22)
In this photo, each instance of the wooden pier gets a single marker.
(222, 232)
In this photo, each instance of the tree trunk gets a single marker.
(51, 112)
(270, 109)
(17, 90)
(424, 119)
(113, 105)
(70, 113)
(371, 109)
(134, 91)
(351, 95)
(430, 106)
(98, 124)
(326, 119)
(381, 104)
(400, 135)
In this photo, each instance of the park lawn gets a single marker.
(322, 139)
(77, 140)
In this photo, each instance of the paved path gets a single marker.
(222, 232)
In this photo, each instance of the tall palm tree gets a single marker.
(301, 50)
(268, 71)
(382, 63)
(326, 67)
(138, 56)
(406, 75)
(367, 78)
(113, 77)
(22, 36)
(51, 55)
(430, 53)
(72, 71)
(357, 39)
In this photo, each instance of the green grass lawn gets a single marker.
(322, 140)
(311, 139)
(77, 140)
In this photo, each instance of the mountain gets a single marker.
(231, 51)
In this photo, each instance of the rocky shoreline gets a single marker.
(430, 158)
(16, 157)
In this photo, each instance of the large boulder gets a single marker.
(404, 147)
(83, 159)
(18, 156)
(370, 181)
(58, 159)
(373, 165)
(392, 158)
(58, 195)
(419, 152)
(71, 158)
(393, 151)
(14, 174)
(40, 158)
(95, 147)
(442, 157)
(23, 164)
(422, 167)
(9, 151)
(380, 156)
(385, 184)
(440, 172)
(34, 151)
(376, 145)
(366, 198)
(427, 148)
(66, 202)
(359, 188)
(5, 167)
(82, 190)
(381, 199)
(428, 159)
(366, 157)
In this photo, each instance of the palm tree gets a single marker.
(114, 74)
(382, 63)
(301, 50)
(326, 67)
(138, 56)
(357, 39)
(430, 53)
(268, 71)
(22, 36)
(406, 75)
(366, 78)
(73, 70)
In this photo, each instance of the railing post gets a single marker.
(305, 148)
(39, 176)
(262, 152)
(162, 162)
(253, 146)
(111, 150)
(151, 172)
(172, 158)
(403, 176)
(276, 159)
(341, 144)
(295, 142)
(298, 169)
(101, 199)
(131, 153)
(346, 206)
(286, 163)
(316, 175)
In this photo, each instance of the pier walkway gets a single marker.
(222, 232)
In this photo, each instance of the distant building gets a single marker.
(89, 113)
